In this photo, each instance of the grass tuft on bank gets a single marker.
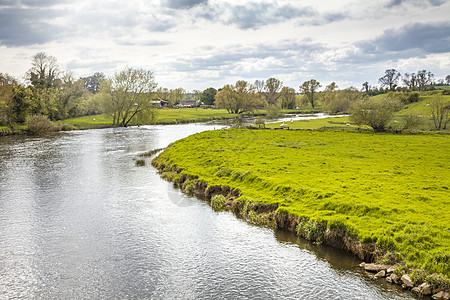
(391, 190)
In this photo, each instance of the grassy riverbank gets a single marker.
(168, 116)
(162, 116)
(386, 189)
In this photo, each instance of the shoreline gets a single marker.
(6, 131)
(227, 198)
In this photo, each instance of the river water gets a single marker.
(80, 220)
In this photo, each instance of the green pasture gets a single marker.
(339, 123)
(388, 189)
(419, 108)
(165, 116)
(174, 115)
(94, 121)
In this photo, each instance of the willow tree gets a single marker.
(309, 89)
(127, 95)
(272, 90)
(239, 98)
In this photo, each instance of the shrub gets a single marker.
(412, 121)
(411, 98)
(39, 125)
(375, 112)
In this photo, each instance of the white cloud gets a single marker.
(198, 43)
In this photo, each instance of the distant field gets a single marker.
(420, 108)
(339, 123)
(442, 87)
(165, 116)
(94, 121)
(392, 189)
(173, 115)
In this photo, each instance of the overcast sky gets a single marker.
(196, 44)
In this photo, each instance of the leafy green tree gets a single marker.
(70, 97)
(7, 100)
(288, 97)
(329, 97)
(207, 96)
(163, 93)
(309, 89)
(390, 79)
(447, 79)
(375, 112)
(272, 90)
(92, 83)
(177, 95)
(339, 101)
(128, 94)
(239, 98)
(196, 94)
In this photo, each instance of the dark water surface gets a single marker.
(79, 220)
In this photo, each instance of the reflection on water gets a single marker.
(79, 220)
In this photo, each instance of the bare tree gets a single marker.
(410, 80)
(439, 111)
(390, 79)
(447, 80)
(259, 85)
(424, 79)
(44, 71)
(92, 83)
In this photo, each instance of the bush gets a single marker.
(412, 98)
(412, 121)
(39, 125)
(375, 112)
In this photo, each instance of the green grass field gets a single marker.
(339, 123)
(163, 116)
(343, 123)
(173, 115)
(391, 189)
(94, 121)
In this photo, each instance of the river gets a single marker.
(79, 219)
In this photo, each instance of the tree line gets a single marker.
(56, 94)
(131, 94)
